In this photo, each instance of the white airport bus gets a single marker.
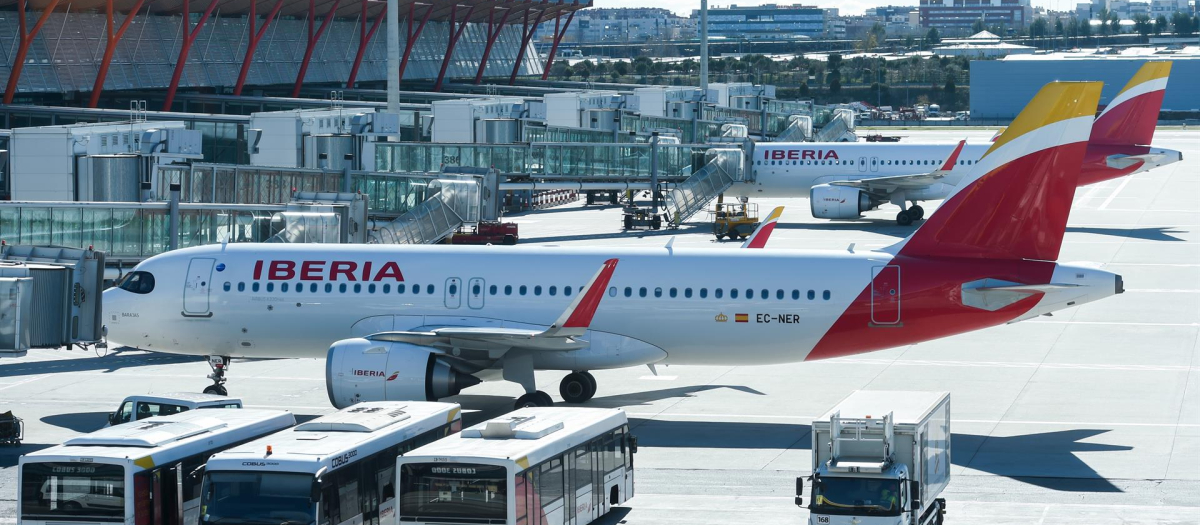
(535, 466)
(336, 469)
(144, 472)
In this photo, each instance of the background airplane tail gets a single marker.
(1130, 118)
(1015, 202)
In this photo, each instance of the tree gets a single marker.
(1160, 24)
(1103, 18)
(1182, 23)
(869, 43)
(932, 37)
(880, 32)
(1038, 28)
(949, 94)
(1142, 25)
(1085, 28)
(614, 76)
(1114, 23)
(621, 68)
(835, 84)
(804, 89)
(978, 26)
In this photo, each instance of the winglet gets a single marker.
(1130, 117)
(949, 165)
(575, 320)
(758, 239)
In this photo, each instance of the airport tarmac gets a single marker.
(1091, 416)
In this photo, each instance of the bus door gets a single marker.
(165, 496)
(453, 292)
(570, 508)
(196, 287)
(584, 485)
(599, 494)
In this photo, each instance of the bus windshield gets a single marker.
(874, 497)
(454, 490)
(278, 498)
(73, 492)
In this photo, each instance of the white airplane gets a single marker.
(424, 322)
(843, 180)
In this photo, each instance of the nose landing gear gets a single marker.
(219, 364)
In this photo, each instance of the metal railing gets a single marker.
(693, 194)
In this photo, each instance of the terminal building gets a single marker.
(768, 21)
(1001, 88)
(962, 14)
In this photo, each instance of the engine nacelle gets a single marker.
(364, 370)
(838, 202)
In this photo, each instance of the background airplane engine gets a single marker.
(363, 370)
(838, 202)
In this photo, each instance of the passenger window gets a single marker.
(612, 291)
(270, 287)
(328, 287)
(299, 287)
(765, 294)
(733, 293)
(717, 293)
(453, 289)
(226, 286)
(429, 289)
(687, 293)
(386, 288)
(567, 291)
(399, 288)
(370, 288)
(416, 289)
(342, 288)
(283, 287)
(537, 290)
(658, 292)
(241, 287)
(492, 289)
(704, 293)
(779, 294)
(673, 292)
(553, 290)
(795, 295)
(522, 290)
(642, 291)
(508, 289)
(254, 287)
(475, 289)
(812, 295)
(825, 295)
(749, 293)
(628, 292)
(312, 288)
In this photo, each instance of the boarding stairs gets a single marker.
(455, 203)
(799, 129)
(692, 195)
(839, 129)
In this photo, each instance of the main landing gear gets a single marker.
(219, 364)
(576, 387)
(913, 213)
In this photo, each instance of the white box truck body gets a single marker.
(881, 457)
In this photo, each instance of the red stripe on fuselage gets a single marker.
(930, 305)
(1130, 123)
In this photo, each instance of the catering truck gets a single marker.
(880, 457)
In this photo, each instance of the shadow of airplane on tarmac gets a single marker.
(1149, 234)
(1048, 459)
(112, 362)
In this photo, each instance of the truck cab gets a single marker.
(138, 407)
(890, 470)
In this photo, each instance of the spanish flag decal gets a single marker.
(741, 318)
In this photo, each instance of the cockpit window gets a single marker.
(137, 282)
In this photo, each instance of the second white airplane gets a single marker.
(424, 322)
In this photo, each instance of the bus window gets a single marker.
(125, 414)
(460, 491)
(583, 468)
(73, 491)
(550, 490)
(257, 496)
(146, 410)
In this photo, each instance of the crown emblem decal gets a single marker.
(721, 318)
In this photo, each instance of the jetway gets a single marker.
(463, 196)
(839, 129)
(799, 129)
(723, 169)
(49, 298)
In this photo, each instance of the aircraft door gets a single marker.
(885, 296)
(196, 288)
(475, 292)
(862, 164)
(874, 163)
(453, 292)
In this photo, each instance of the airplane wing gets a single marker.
(758, 239)
(562, 335)
(902, 182)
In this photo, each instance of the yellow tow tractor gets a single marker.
(734, 221)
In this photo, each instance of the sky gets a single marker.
(848, 7)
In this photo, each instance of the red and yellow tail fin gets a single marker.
(1015, 201)
(1130, 118)
(758, 239)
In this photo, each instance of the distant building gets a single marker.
(981, 45)
(962, 14)
(641, 24)
(769, 21)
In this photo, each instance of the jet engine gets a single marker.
(839, 202)
(365, 370)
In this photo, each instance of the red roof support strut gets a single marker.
(528, 31)
(23, 48)
(185, 47)
(255, 38)
(492, 35)
(312, 40)
(364, 38)
(558, 36)
(411, 41)
(110, 47)
(437, 86)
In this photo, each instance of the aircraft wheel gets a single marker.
(904, 218)
(576, 388)
(534, 399)
(216, 389)
(592, 381)
(917, 211)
